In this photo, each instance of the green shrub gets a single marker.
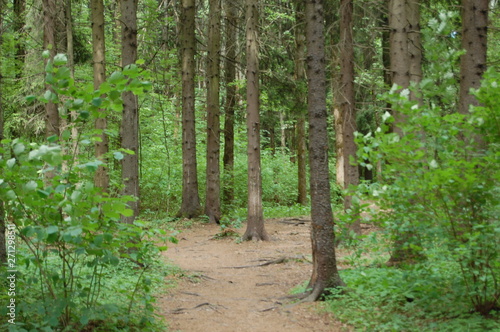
(71, 243)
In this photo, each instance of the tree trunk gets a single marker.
(19, 26)
(325, 274)
(101, 178)
(49, 43)
(414, 45)
(300, 51)
(69, 36)
(230, 77)
(255, 218)
(345, 113)
(400, 64)
(129, 130)
(212, 203)
(301, 160)
(190, 206)
(474, 42)
(406, 66)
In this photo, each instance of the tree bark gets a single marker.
(101, 178)
(255, 217)
(300, 51)
(190, 206)
(230, 77)
(69, 36)
(474, 42)
(414, 45)
(49, 43)
(129, 130)
(399, 59)
(19, 26)
(406, 67)
(345, 113)
(212, 203)
(325, 274)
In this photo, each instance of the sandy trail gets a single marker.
(213, 295)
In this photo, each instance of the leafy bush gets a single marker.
(72, 241)
(442, 181)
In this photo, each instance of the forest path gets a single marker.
(222, 289)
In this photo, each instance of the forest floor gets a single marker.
(228, 286)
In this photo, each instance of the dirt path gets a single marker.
(220, 292)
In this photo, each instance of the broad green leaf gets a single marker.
(76, 196)
(77, 103)
(50, 96)
(114, 94)
(11, 162)
(30, 98)
(43, 193)
(116, 77)
(60, 59)
(52, 139)
(118, 155)
(97, 102)
(30, 186)
(52, 229)
(127, 212)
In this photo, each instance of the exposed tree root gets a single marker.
(276, 261)
(291, 222)
(181, 310)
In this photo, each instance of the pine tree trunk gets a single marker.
(414, 45)
(190, 206)
(99, 60)
(400, 64)
(230, 77)
(19, 26)
(325, 274)
(49, 43)
(255, 218)
(406, 65)
(129, 130)
(474, 42)
(212, 204)
(345, 113)
(300, 52)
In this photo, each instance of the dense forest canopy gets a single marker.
(118, 118)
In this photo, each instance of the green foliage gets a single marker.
(73, 244)
(442, 180)
(423, 297)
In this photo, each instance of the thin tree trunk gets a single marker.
(19, 26)
(212, 203)
(301, 160)
(300, 52)
(129, 130)
(255, 217)
(190, 206)
(101, 178)
(414, 45)
(325, 273)
(52, 122)
(69, 36)
(475, 43)
(230, 77)
(345, 113)
(400, 64)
